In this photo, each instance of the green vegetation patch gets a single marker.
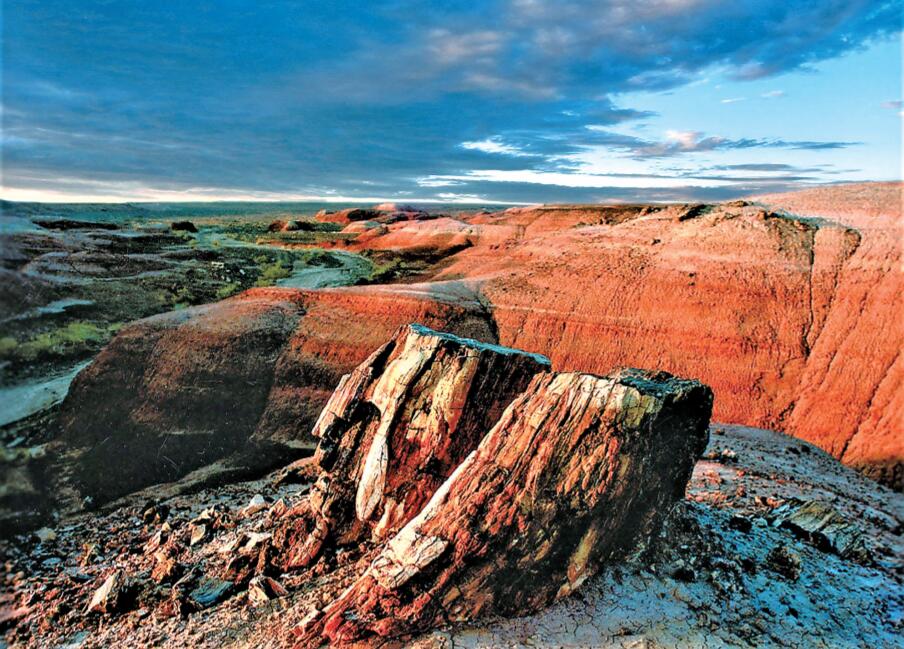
(259, 232)
(272, 271)
(72, 339)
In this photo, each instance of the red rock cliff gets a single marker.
(793, 320)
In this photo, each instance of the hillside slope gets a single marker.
(792, 320)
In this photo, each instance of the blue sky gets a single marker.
(509, 100)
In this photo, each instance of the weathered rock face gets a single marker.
(243, 379)
(174, 392)
(724, 295)
(850, 400)
(770, 309)
(396, 428)
(574, 473)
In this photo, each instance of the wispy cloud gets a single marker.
(494, 145)
(895, 104)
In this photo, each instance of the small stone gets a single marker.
(258, 503)
(740, 523)
(175, 605)
(277, 509)
(262, 589)
(749, 565)
(784, 561)
(155, 541)
(210, 591)
(232, 546)
(154, 513)
(725, 456)
(198, 533)
(76, 575)
(254, 540)
(90, 554)
(166, 568)
(109, 596)
(685, 573)
(46, 535)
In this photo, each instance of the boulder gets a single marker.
(183, 226)
(173, 393)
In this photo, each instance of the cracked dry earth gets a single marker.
(729, 568)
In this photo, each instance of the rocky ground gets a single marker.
(729, 569)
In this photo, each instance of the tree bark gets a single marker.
(573, 474)
(395, 429)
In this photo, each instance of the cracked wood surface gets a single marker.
(575, 471)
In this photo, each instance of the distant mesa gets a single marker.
(292, 225)
(383, 213)
(397, 207)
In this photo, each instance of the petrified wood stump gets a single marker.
(395, 429)
(575, 472)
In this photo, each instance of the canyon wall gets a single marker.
(792, 317)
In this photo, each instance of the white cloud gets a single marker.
(578, 180)
(449, 48)
(687, 139)
(496, 83)
(495, 145)
(433, 181)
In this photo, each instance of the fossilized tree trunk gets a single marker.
(574, 472)
(395, 429)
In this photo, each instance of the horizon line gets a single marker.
(60, 198)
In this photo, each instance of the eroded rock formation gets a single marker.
(243, 379)
(850, 400)
(769, 309)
